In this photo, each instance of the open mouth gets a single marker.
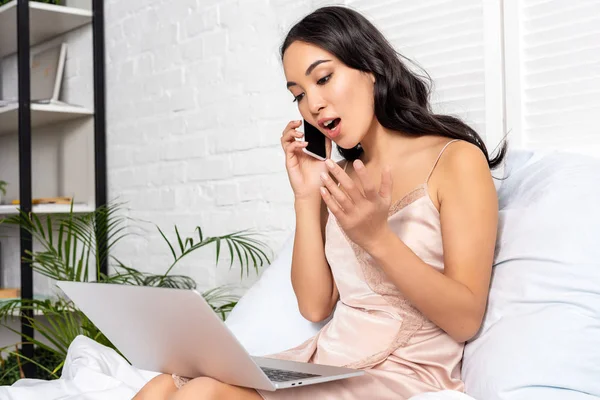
(333, 128)
(333, 124)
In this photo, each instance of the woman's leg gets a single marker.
(160, 387)
(210, 389)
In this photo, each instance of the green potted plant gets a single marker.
(3, 185)
(69, 251)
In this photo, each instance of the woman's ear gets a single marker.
(372, 77)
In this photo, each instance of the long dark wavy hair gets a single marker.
(401, 97)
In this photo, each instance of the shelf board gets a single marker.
(41, 115)
(45, 20)
(48, 209)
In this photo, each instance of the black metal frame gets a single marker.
(25, 170)
(25, 176)
(100, 127)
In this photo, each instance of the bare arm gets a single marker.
(312, 280)
(456, 299)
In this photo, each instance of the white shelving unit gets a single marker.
(46, 21)
(41, 115)
(48, 121)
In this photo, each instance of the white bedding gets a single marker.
(91, 372)
(95, 372)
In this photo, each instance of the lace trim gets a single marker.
(179, 381)
(409, 198)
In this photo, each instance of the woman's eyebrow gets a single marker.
(309, 70)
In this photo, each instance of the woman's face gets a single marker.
(326, 89)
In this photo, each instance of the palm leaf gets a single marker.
(169, 243)
(181, 246)
(241, 244)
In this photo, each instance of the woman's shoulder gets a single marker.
(462, 167)
(460, 157)
(449, 157)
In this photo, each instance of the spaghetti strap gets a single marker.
(438, 158)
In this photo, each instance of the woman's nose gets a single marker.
(315, 104)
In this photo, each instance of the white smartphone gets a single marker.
(316, 142)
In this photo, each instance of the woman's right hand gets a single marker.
(303, 170)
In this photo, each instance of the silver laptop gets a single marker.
(175, 331)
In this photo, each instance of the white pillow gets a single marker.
(541, 334)
(266, 320)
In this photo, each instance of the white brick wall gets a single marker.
(196, 103)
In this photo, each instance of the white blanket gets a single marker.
(91, 372)
(96, 372)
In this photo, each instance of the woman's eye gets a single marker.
(321, 81)
(324, 79)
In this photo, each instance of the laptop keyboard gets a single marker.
(281, 375)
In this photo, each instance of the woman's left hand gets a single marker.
(362, 211)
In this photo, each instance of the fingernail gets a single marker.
(324, 176)
(329, 163)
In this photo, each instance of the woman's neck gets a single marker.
(382, 146)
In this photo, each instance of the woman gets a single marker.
(399, 236)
